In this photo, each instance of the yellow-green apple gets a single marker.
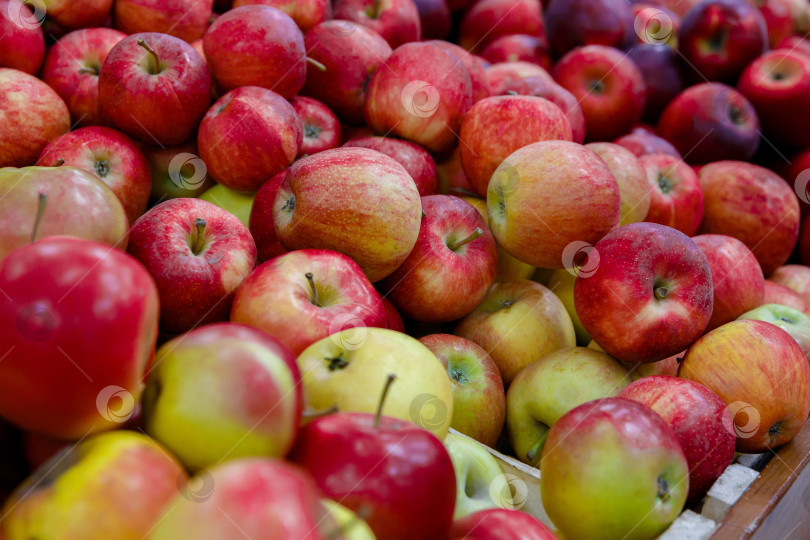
(256, 45)
(634, 191)
(110, 155)
(37, 113)
(305, 13)
(238, 203)
(83, 343)
(396, 21)
(321, 128)
(795, 277)
(719, 38)
(660, 66)
(755, 206)
(649, 294)
(585, 22)
(761, 373)
(450, 268)
(643, 140)
(356, 201)
(23, 43)
(517, 323)
(619, 457)
(551, 386)
(676, 199)
(112, 485)
(699, 419)
(261, 220)
(434, 18)
(177, 171)
(264, 499)
(497, 126)
(185, 19)
(518, 48)
(247, 136)
(710, 122)
(351, 55)
(609, 87)
(500, 524)
(348, 523)
(75, 203)
(736, 277)
(478, 77)
(779, 294)
(314, 293)
(488, 20)
(349, 369)
(198, 254)
(155, 88)
(580, 194)
(74, 14)
(416, 160)
(561, 282)
(792, 321)
(419, 101)
(479, 401)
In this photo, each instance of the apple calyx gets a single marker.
(311, 131)
(775, 431)
(317, 65)
(289, 204)
(458, 375)
(102, 167)
(313, 290)
(596, 87)
(664, 183)
(156, 68)
(388, 382)
(337, 362)
(663, 489)
(735, 114)
(661, 292)
(58, 163)
(199, 240)
(511, 93)
(453, 246)
(42, 200)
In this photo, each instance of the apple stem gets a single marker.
(58, 163)
(199, 242)
(661, 292)
(315, 63)
(475, 234)
(388, 381)
(41, 202)
(151, 51)
(311, 415)
(312, 288)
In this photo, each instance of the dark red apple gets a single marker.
(574, 23)
(435, 18)
(478, 77)
(487, 20)
(643, 141)
(321, 128)
(518, 48)
(660, 67)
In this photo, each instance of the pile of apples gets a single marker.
(258, 257)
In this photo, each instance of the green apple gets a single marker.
(550, 387)
(792, 321)
(561, 283)
(350, 525)
(237, 203)
(349, 370)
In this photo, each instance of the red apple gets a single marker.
(416, 160)
(795, 277)
(699, 419)
(655, 24)
(518, 48)
(420, 101)
(648, 295)
(634, 189)
(452, 180)
(22, 46)
(395, 321)
(396, 21)
(575, 23)
(155, 88)
(256, 45)
(500, 524)
(609, 87)
(660, 66)
(642, 141)
(753, 205)
(306, 13)
(177, 171)
(779, 294)
(261, 220)
(711, 122)
(487, 20)
(478, 77)
(37, 113)
(321, 128)
(676, 198)
(185, 19)
(75, 14)
(795, 43)
(783, 18)
(351, 55)
(792, 321)
(434, 17)
(247, 136)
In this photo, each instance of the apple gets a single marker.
(745, 362)
(452, 179)
(676, 199)
(247, 136)
(37, 112)
(792, 321)
(777, 84)
(478, 77)
(256, 45)
(23, 43)
(609, 87)
(642, 141)
(718, 38)
(396, 21)
(36, 202)
(517, 323)
(348, 370)
(260, 498)
(649, 294)
(575, 23)
(74, 14)
(795, 43)
(667, 366)
(660, 67)
(630, 175)
(88, 339)
(185, 19)
(518, 48)
(753, 205)
(580, 201)
(177, 171)
(434, 18)
(779, 294)
(479, 401)
(699, 419)
(500, 524)
(348, 523)
(261, 220)
(238, 203)
(487, 20)
(795, 277)
(497, 126)
(419, 101)
(110, 155)
(155, 88)
(315, 293)
(416, 160)
(783, 18)
(321, 128)
(307, 13)
(395, 321)
(353, 200)
(618, 456)
(351, 55)
(561, 282)
(655, 24)
(98, 473)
